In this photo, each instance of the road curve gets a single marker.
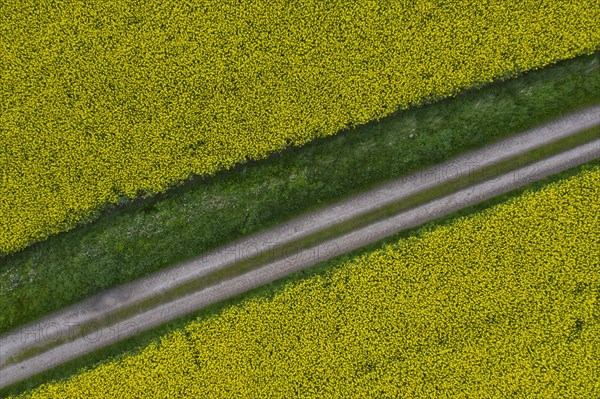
(146, 303)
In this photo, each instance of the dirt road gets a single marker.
(303, 242)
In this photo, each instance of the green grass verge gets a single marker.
(136, 239)
(136, 343)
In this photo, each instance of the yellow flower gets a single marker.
(104, 100)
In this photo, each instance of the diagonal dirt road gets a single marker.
(303, 242)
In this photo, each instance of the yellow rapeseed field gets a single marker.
(505, 303)
(104, 99)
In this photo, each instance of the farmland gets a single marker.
(500, 302)
(105, 102)
(263, 199)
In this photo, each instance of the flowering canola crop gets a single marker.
(505, 303)
(106, 99)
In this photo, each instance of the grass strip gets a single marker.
(137, 239)
(138, 342)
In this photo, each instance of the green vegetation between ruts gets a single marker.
(133, 240)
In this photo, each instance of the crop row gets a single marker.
(501, 303)
(104, 100)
